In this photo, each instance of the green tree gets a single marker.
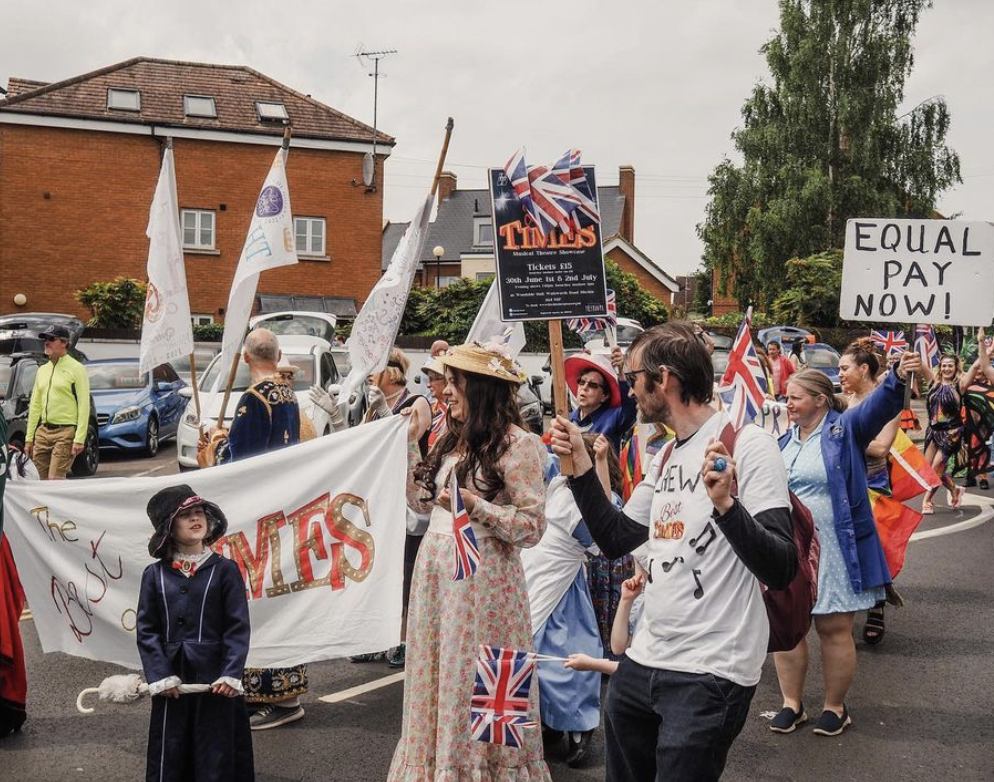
(824, 143)
(812, 295)
(114, 305)
(632, 299)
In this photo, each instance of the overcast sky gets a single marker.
(655, 85)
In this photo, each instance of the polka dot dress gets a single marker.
(807, 478)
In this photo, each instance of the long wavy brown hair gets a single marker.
(482, 439)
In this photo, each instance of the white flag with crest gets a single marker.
(488, 327)
(375, 327)
(167, 331)
(269, 245)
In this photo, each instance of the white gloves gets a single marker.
(328, 401)
(378, 402)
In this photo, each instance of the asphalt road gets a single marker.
(922, 703)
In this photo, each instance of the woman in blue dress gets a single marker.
(824, 452)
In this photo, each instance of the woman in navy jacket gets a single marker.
(824, 452)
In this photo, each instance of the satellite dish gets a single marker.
(367, 169)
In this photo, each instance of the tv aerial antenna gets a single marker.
(364, 57)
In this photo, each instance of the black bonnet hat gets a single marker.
(164, 506)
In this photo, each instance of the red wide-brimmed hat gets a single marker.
(577, 364)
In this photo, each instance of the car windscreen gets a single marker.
(626, 335)
(25, 380)
(300, 325)
(303, 377)
(821, 358)
(115, 377)
(182, 364)
(5, 373)
(719, 360)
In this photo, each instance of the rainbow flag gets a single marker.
(910, 474)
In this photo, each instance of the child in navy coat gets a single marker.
(193, 628)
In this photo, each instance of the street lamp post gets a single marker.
(438, 252)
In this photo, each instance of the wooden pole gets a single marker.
(227, 390)
(441, 158)
(196, 393)
(911, 375)
(559, 383)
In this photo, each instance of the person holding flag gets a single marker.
(460, 603)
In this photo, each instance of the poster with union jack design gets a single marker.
(547, 240)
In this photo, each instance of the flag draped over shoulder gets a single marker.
(269, 245)
(167, 331)
(376, 325)
(488, 327)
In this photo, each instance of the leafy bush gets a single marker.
(760, 320)
(119, 304)
(812, 290)
(208, 332)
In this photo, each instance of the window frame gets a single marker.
(188, 113)
(197, 246)
(478, 223)
(263, 118)
(309, 236)
(202, 318)
(124, 90)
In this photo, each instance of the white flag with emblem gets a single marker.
(269, 245)
(488, 327)
(167, 331)
(375, 327)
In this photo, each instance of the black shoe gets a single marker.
(984, 485)
(970, 482)
(550, 737)
(831, 724)
(398, 657)
(787, 720)
(272, 716)
(372, 657)
(578, 750)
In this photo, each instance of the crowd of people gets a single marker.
(646, 563)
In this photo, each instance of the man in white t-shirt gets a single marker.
(682, 693)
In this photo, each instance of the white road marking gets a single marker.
(986, 506)
(352, 692)
(149, 472)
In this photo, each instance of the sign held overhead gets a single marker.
(918, 271)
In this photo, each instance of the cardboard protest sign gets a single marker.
(918, 271)
(546, 274)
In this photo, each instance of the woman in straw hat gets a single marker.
(500, 468)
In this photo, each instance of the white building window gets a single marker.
(482, 276)
(271, 111)
(124, 100)
(445, 280)
(310, 234)
(198, 229)
(483, 232)
(199, 106)
(201, 319)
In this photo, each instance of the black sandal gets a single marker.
(873, 630)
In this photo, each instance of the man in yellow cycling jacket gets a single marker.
(59, 415)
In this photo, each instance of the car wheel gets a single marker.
(152, 437)
(87, 462)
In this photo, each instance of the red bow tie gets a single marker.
(185, 566)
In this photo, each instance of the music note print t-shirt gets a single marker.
(704, 612)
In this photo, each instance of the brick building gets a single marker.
(79, 160)
(463, 228)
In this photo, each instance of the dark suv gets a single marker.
(21, 353)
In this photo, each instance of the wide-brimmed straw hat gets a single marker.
(433, 365)
(491, 359)
(579, 363)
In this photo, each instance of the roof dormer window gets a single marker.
(271, 112)
(199, 106)
(124, 100)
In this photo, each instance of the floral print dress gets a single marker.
(449, 620)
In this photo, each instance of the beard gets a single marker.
(652, 409)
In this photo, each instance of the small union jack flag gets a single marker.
(892, 343)
(570, 170)
(549, 197)
(467, 551)
(926, 345)
(743, 387)
(499, 706)
(587, 325)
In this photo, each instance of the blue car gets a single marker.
(135, 411)
(825, 359)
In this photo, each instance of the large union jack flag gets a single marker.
(499, 707)
(891, 343)
(466, 549)
(743, 387)
(926, 345)
(587, 325)
(552, 198)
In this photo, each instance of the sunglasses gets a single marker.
(589, 384)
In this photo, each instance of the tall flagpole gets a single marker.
(238, 354)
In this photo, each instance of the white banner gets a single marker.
(488, 327)
(167, 331)
(375, 327)
(317, 530)
(918, 271)
(269, 244)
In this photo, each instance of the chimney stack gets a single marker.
(626, 187)
(446, 184)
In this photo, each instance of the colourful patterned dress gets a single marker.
(945, 419)
(449, 620)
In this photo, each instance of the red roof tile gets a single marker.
(163, 83)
